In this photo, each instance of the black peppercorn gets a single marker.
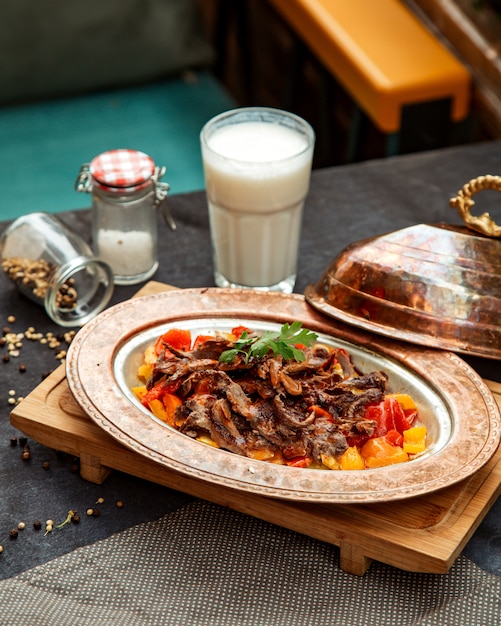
(75, 519)
(46, 465)
(22, 368)
(23, 441)
(37, 524)
(13, 533)
(13, 441)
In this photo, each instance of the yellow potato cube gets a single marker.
(351, 459)
(150, 356)
(158, 409)
(404, 399)
(144, 371)
(330, 461)
(415, 440)
(139, 392)
(207, 440)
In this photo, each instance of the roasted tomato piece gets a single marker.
(175, 337)
(383, 418)
(389, 415)
(395, 438)
(238, 331)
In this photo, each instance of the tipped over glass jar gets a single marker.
(55, 267)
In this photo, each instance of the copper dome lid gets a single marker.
(434, 285)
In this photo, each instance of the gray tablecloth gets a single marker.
(204, 565)
(201, 564)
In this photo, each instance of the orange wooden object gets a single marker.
(382, 55)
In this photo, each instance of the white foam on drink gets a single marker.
(257, 142)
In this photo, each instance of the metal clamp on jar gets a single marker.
(54, 267)
(126, 190)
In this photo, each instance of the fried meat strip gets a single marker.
(268, 403)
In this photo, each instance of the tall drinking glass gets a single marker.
(257, 165)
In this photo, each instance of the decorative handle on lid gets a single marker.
(463, 203)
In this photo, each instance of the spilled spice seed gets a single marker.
(76, 519)
(120, 504)
(13, 533)
(1, 549)
(69, 517)
(26, 456)
(46, 465)
(21, 526)
(23, 441)
(22, 368)
(99, 500)
(37, 524)
(13, 441)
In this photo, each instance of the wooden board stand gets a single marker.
(423, 534)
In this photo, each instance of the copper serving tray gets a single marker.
(457, 407)
(431, 284)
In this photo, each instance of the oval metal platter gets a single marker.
(460, 413)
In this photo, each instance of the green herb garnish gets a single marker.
(283, 343)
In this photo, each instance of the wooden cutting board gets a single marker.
(423, 534)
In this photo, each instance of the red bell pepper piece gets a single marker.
(320, 412)
(356, 440)
(160, 390)
(299, 461)
(176, 337)
(155, 393)
(200, 339)
(238, 331)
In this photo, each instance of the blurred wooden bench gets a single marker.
(390, 64)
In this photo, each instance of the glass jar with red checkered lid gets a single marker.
(126, 189)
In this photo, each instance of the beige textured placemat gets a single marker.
(205, 565)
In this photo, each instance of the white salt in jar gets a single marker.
(125, 191)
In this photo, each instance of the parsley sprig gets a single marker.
(283, 343)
